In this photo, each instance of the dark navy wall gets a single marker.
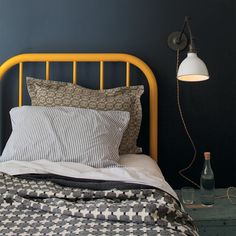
(141, 27)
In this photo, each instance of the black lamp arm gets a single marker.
(179, 41)
(187, 25)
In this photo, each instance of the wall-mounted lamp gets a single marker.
(192, 68)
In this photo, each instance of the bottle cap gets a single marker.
(207, 155)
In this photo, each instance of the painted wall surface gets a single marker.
(141, 27)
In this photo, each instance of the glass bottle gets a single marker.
(207, 182)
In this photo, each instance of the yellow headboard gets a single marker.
(93, 57)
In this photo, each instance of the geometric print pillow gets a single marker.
(55, 93)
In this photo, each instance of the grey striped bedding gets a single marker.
(66, 134)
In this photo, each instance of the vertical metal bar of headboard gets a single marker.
(101, 75)
(127, 74)
(20, 99)
(74, 72)
(47, 70)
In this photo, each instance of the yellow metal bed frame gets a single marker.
(75, 58)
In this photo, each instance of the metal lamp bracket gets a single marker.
(177, 41)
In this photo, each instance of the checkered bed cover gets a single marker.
(41, 207)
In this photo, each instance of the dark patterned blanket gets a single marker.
(42, 207)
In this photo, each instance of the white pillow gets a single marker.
(66, 134)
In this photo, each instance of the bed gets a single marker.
(71, 165)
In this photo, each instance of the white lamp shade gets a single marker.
(192, 69)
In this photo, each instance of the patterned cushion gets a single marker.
(54, 93)
(66, 134)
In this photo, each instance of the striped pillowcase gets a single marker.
(66, 134)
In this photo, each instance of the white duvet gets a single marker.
(140, 169)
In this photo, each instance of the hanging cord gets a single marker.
(185, 126)
(191, 49)
(228, 195)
